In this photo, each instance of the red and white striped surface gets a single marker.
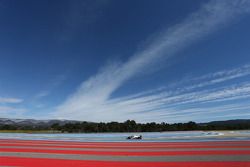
(32, 153)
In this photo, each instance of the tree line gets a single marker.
(127, 126)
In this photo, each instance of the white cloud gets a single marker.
(7, 109)
(91, 100)
(10, 109)
(10, 100)
(11, 112)
(42, 94)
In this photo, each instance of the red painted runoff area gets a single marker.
(63, 154)
(39, 162)
(116, 153)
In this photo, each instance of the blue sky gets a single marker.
(108, 60)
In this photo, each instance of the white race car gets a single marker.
(134, 137)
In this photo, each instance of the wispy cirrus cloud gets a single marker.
(91, 101)
(175, 105)
(9, 107)
(10, 100)
(13, 112)
(183, 102)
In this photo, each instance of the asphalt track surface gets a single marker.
(37, 153)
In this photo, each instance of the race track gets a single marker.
(38, 153)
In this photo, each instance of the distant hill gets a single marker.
(33, 122)
(228, 122)
(73, 126)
